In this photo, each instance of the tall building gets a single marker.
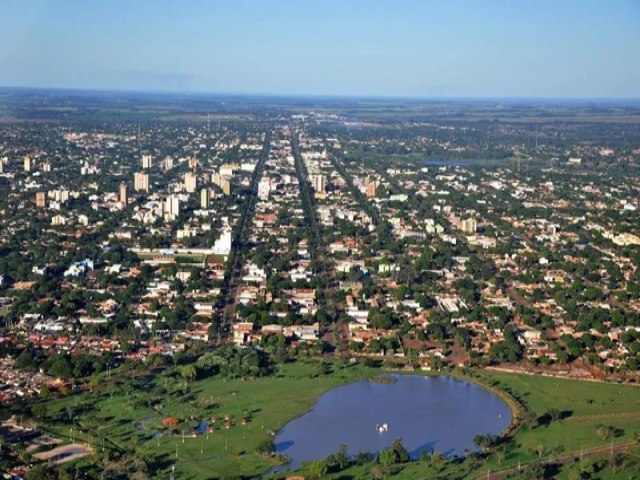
(193, 161)
(171, 207)
(46, 167)
(225, 184)
(190, 182)
(146, 162)
(222, 245)
(469, 225)
(319, 183)
(141, 182)
(41, 199)
(264, 188)
(123, 194)
(27, 163)
(167, 164)
(2, 160)
(204, 198)
(371, 190)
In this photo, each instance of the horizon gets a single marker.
(415, 50)
(310, 96)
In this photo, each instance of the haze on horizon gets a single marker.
(412, 48)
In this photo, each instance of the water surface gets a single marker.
(433, 413)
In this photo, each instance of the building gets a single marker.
(371, 190)
(264, 188)
(190, 181)
(171, 207)
(141, 182)
(146, 162)
(27, 163)
(226, 186)
(41, 199)
(2, 160)
(193, 162)
(46, 167)
(222, 246)
(469, 225)
(167, 164)
(319, 183)
(204, 198)
(123, 194)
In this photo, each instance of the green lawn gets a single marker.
(269, 402)
(110, 417)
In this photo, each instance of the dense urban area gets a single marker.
(204, 268)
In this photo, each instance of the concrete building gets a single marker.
(226, 186)
(171, 207)
(204, 198)
(27, 163)
(141, 182)
(469, 225)
(193, 162)
(41, 199)
(264, 188)
(167, 164)
(371, 190)
(190, 181)
(146, 162)
(123, 194)
(319, 183)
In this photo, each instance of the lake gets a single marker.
(438, 413)
(446, 163)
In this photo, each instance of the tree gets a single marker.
(387, 457)
(401, 452)
(188, 372)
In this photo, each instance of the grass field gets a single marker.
(109, 418)
(268, 403)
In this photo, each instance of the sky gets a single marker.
(389, 48)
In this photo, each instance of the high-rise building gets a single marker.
(226, 186)
(171, 207)
(193, 161)
(146, 162)
(371, 190)
(264, 188)
(190, 182)
(469, 225)
(204, 198)
(123, 194)
(141, 182)
(2, 160)
(167, 164)
(27, 163)
(46, 167)
(319, 183)
(41, 199)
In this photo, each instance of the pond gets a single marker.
(432, 413)
(446, 163)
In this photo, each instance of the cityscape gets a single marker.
(212, 285)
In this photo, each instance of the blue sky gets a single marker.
(417, 48)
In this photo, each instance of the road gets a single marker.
(231, 285)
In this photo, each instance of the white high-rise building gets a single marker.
(171, 207)
(222, 246)
(146, 162)
(264, 188)
(27, 163)
(204, 198)
(319, 183)
(167, 164)
(190, 181)
(141, 182)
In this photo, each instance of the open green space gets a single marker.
(127, 416)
